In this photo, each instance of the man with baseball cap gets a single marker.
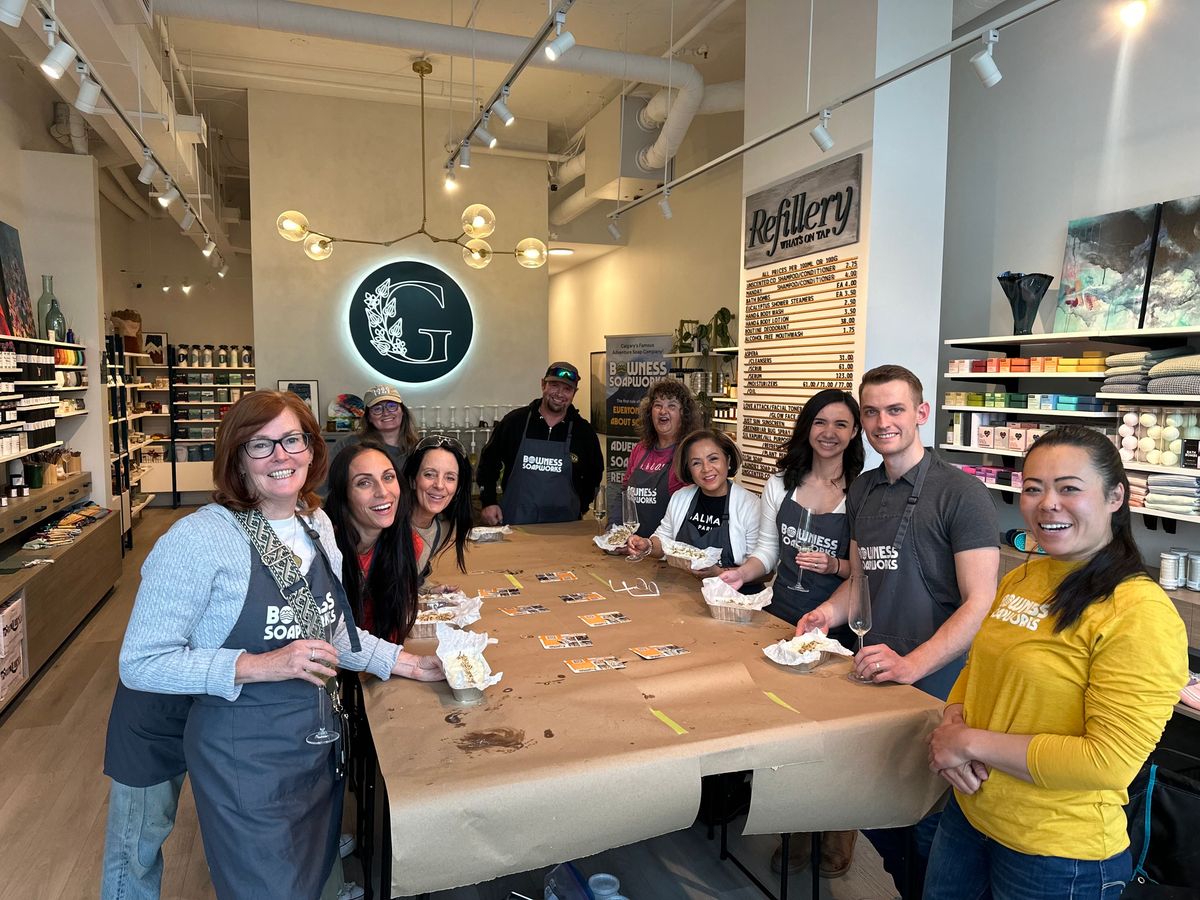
(546, 456)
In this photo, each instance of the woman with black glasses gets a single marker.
(439, 473)
(241, 606)
(386, 421)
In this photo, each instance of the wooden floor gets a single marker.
(54, 797)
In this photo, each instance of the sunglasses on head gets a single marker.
(562, 373)
(441, 442)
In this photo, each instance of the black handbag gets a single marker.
(1164, 819)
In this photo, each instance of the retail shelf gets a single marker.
(733, 400)
(137, 445)
(137, 355)
(155, 389)
(135, 416)
(11, 396)
(189, 441)
(24, 453)
(1160, 470)
(152, 366)
(17, 370)
(221, 368)
(1153, 398)
(114, 457)
(58, 367)
(990, 452)
(1147, 337)
(204, 402)
(155, 415)
(1048, 413)
(138, 385)
(29, 406)
(81, 387)
(734, 349)
(1162, 514)
(51, 382)
(134, 510)
(78, 412)
(1009, 376)
(200, 421)
(29, 340)
(1003, 488)
(9, 426)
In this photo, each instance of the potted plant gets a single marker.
(718, 327)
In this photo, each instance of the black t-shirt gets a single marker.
(707, 514)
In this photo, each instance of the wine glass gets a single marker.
(804, 544)
(629, 517)
(323, 734)
(860, 618)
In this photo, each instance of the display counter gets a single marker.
(556, 765)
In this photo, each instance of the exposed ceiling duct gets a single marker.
(370, 28)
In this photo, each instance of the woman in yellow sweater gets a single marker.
(1068, 685)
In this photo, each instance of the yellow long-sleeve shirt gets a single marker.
(1096, 697)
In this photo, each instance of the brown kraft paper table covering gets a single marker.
(557, 765)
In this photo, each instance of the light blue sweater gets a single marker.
(194, 585)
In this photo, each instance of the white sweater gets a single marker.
(743, 519)
(767, 549)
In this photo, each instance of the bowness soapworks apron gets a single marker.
(652, 493)
(829, 533)
(904, 611)
(540, 488)
(269, 803)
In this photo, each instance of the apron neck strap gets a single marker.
(911, 506)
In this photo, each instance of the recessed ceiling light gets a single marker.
(560, 251)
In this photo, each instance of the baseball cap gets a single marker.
(564, 372)
(379, 393)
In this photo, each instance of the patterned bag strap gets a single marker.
(281, 563)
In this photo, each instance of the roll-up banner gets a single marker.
(633, 362)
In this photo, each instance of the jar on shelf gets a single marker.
(181, 355)
(56, 322)
(44, 301)
(208, 355)
(223, 355)
(247, 356)
(194, 355)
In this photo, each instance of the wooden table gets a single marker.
(557, 765)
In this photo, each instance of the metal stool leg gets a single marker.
(816, 865)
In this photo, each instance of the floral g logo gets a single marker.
(411, 322)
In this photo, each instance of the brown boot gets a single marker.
(837, 852)
(799, 852)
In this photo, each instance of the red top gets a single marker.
(651, 459)
(367, 619)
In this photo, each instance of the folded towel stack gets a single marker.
(1137, 489)
(1174, 493)
(1130, 373)
(1177, 375)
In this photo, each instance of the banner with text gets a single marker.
(633, 362)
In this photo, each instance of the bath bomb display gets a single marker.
(1131, 418)
(1170, 433)
(1192, 433)
(1127, 455)
(1154, 432)
(1167, 458)
(1153, 457)
(1175, 446)
(1146, 444)
(1129, 442)
(1125, 430)
(1174, 419)
(1148, 419)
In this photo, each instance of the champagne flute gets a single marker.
(324, 735)
(860, 618)
(804, 544)
(629, 517)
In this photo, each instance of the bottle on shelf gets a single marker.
(223, 355)
(208, 355)
(247, 356)
(181, 356)
(43, 304)
(194, 355)
(56, 322)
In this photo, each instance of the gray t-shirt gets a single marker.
(954, 513)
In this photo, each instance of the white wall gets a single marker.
(216, 311)
(684, 268)
(1088, 119)
(353, 168)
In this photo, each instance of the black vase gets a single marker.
(1024, 294)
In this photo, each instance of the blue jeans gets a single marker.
(893, 845)
(966, 865)
(139, 820)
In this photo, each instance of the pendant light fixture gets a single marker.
(478, 221)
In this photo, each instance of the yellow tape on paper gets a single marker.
(513, 580)
(668, 721)
(775, 698)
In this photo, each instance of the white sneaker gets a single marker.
(346, 845)
(351, 891)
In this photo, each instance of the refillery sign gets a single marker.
(808, 214)
(411, 322)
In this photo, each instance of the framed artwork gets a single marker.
(155, 343)
(306, 391)
(1173, 297)
(16, 309)
(1105, 272)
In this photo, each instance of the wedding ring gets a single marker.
(312, 654)
(878, 667)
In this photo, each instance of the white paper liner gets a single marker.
(614, 539)
(689, 558)
(717, 593)
(461, 653)
(814, 643)
(465, 609)
(485, 533)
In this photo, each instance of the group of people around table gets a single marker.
(249, 606)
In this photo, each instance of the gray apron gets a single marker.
(144, 743)
(540, 488)
(269, 804)
(904, 612)
(653, 494)
(830, 534)
(718, 536)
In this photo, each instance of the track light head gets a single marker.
(169, 196)
(11, 12)
(189, 219)
(149, 167)
(563, 40)
(664, 204)
(614, 230)
(186, 286)
(501, 111)
(209, 246)
(166, 285)
(484, 136)
(448, 180)
(820, 135)
(223, 271)
(60, 56)
(985, 67)
(464, 155)
(88, 96)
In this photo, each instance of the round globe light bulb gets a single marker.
(318, 247)
(531, 253)
(292, 225)
(478, 221)
(477, 253)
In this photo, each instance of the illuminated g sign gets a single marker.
(411, 322)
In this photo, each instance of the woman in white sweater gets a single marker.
(712, 511)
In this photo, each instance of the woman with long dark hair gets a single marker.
(371, 514)
(820, 460)
(439, 473)
(1067, 688)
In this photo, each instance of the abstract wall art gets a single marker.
(1173, 298)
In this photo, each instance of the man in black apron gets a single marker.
(549, 454)
(925, 535)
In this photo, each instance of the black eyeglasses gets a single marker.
(261, 448)
(386, 406)
(440, 441)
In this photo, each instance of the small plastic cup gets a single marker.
(467, 696)
(604, 886)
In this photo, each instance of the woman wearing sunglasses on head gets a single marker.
(439, 473)
(241, 606)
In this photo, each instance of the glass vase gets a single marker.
(1024, 293)
(43, 304)
(56, 322)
